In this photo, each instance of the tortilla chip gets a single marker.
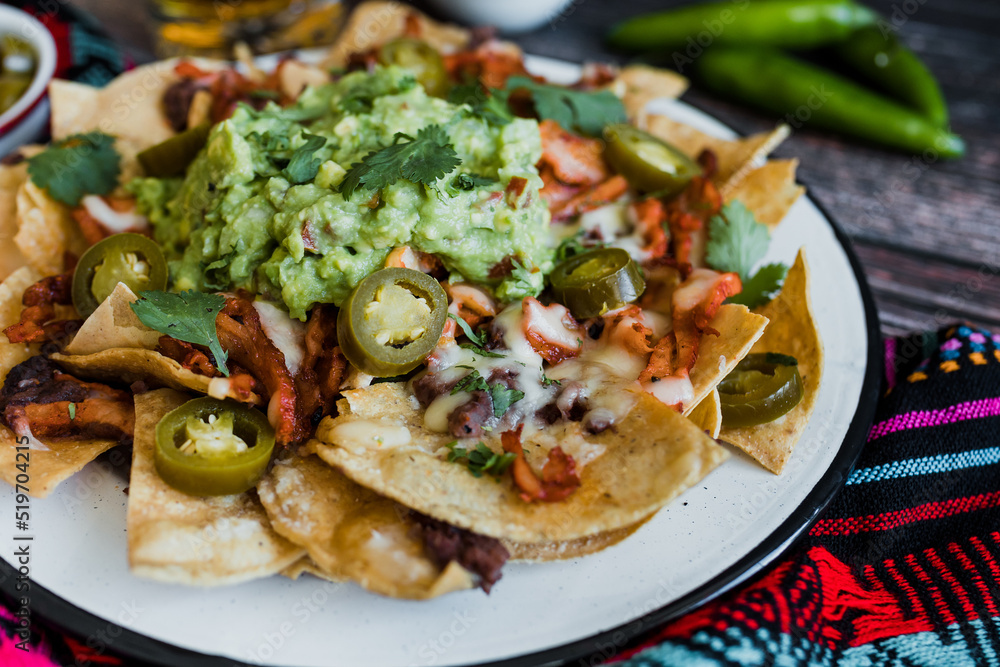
(707, 415)
(769, 191)
(374, 23)
(583, 546)
(45, 230)
(114, 325)
(12, 292)
(177, 538)
(791, 331)
(648, 459)
(638, 85)
(736, 157)
(352, 533)
(127, 365)
(47, 467)
(12, 177)
(738, 330)
(306, 565)
(129, 108)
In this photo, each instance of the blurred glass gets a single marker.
(213, 27)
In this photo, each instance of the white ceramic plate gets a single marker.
(720, 532)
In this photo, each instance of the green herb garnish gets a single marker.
(81, 164)
(188, 316)
(736, 242)
(470, 383)
(578, 110)
(503, 398)
(480, 460)
(72, 411)
(423, 159)
(304, 165)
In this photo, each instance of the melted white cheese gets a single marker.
(358, 436)
(288, 335)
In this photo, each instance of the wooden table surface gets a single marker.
(927, 232)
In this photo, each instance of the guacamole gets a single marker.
(251, 213)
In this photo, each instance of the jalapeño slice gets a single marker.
(172, 157)
(209, 447)
(649, 164)
(391, 321)
(594, 282)
(761, 388)
(421, 59)
(133, 259)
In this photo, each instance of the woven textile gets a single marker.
(904, 567)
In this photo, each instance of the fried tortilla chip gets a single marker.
(47, 467)
(379, 440)
(11, 292)
(736, 157)
(45, 230)
(12, 178)
(374, 23)
(129, 108)
(114, 346)
(707, 415)
(769, 191)
(352, 533)
(177, 538)
(582, 546)
(738, 330)
(638, 85)
(306, 565)
(114, 325)
(791, 331)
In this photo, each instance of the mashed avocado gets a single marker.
(238, 221)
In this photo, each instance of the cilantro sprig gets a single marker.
(476, 341)
(304, 165)
(501, 397)
(423, 159)
(81, 164)
(487, 105)
(481, 459)
(587, 112)
(188, 316)
(737, 242)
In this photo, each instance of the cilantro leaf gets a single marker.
(477, 339)
(586, 112)
(423, 160)
(480, 460)
(574, 245)
(736, 241)
(483, 352)
(81, 164)
(503, 398)
(188, 316)
(488, 105)
(470, 383)
(303, 166)
(762, 287)
(547, 381)
(72, 411)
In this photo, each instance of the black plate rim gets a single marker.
(139, 649)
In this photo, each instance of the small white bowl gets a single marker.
(26, 120)
(510, 16)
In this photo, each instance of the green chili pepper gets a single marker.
(420, 58)
(208, 447)
(648, 163)
(594, 282)
(806, 94)
(761, 388)
(889, 66)
(391, 321)
(133, 259)
(791, 24)
(172, 156)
